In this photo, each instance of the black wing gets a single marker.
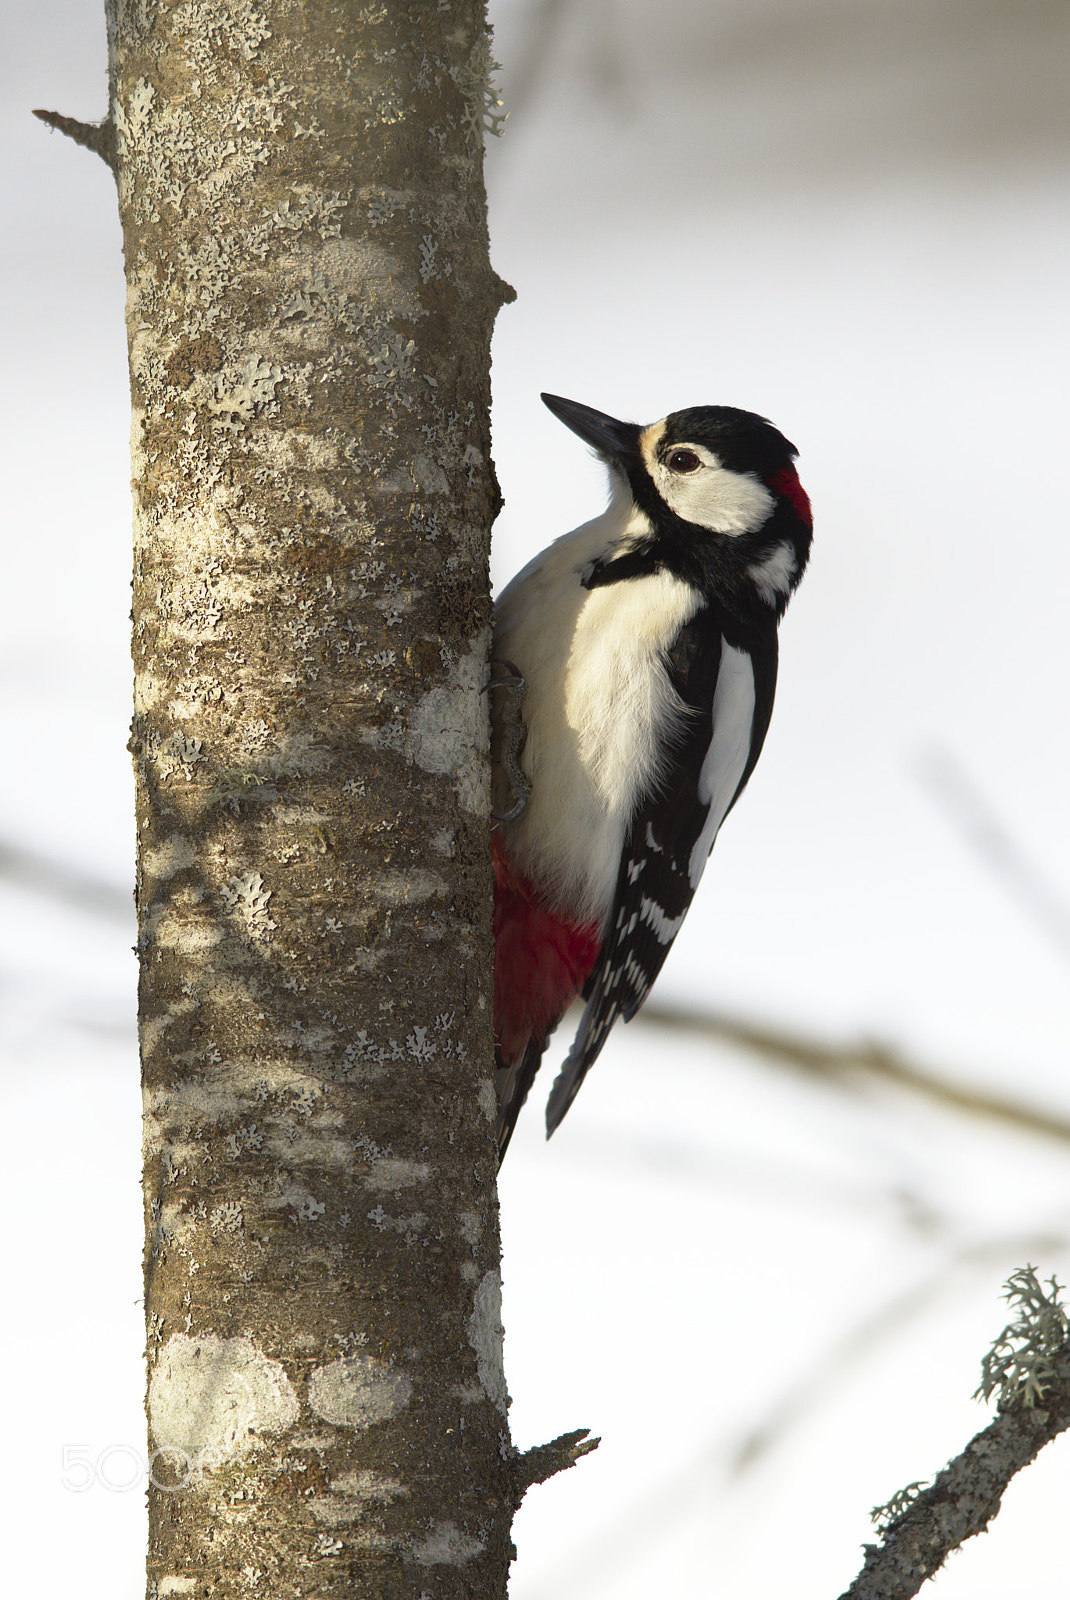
(728, 690)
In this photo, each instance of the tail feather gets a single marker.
(566, 1087)
(574, 1069)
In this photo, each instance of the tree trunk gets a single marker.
(310, 305)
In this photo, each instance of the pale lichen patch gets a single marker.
(448, 731)
(408, 888)
(245, 896)
(298, 752)
(407, 1227)
(309, 1147)
(485, 1335)
(236, 400)
(358, 1391)
(363, 1484)
(152, 1031)
(295, 1197)
(428, 476)
(353, 1495)
(390, 1174)
(184, 934)
(229, 1090)
(149, 690)
(365, 272)
(471, 1226)
(213, 1398)
(175, 854)
(446, 1545)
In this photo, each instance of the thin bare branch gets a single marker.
(974, 817)
(96, 136)
(878, 1326)
(546, 1460)
(823, 1058)
(54, 879)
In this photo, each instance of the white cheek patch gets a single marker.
(774, 574)
(712, 496)
(726, 502)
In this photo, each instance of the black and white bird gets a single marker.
(635, 663)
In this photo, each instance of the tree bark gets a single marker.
(310, 305)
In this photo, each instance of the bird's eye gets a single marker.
(683, 461)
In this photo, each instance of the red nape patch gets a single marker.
(786, 484)
(541, 961)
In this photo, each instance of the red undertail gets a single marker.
(541, 961)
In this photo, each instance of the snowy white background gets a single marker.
(768, 1295)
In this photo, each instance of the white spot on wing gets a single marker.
(665, 928)
(726, 758)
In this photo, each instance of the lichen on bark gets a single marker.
(310, 305)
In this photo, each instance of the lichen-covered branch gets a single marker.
(963, 1500)
(1031, 1373)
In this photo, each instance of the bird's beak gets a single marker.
(612, 439)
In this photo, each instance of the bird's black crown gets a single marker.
(743, 441)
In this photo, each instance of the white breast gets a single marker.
(597, 705)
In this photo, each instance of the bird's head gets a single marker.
(720, 500)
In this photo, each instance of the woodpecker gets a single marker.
(634, 667)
